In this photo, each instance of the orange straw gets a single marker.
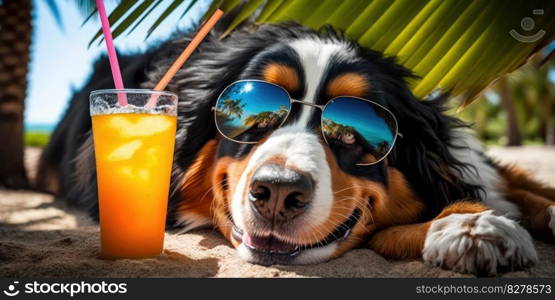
(193, 44)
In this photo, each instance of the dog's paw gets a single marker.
(551, 211)
(479, 243)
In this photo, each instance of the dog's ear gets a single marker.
(424, 152)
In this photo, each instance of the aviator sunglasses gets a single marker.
(247, 110)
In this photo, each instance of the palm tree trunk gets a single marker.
(514, 138)
(15, 40)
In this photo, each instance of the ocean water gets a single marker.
(40, 127)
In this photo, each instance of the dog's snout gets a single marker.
(280, 194)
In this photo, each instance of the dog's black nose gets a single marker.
(280, 194)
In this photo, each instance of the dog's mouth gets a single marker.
(272, 245)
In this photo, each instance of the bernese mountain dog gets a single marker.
(435, 196)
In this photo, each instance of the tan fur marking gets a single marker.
(534, 211)
(462, 207)
(196, 183)
(381, 208)
(532, 198)
(517, 177)
(282, 75)
(402, 206)
(402, 241)
(407, 241)
(349, 84)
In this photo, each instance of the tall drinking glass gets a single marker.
(134, 144)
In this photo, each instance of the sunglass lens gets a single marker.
(367, 129)
(247, 110)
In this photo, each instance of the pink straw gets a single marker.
(114, 65)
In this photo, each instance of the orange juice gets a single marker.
(133, 161)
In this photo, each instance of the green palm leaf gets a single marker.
(245, 12)
(164, 15)
(459, 46)
(133, 16)
(115, 15)
(55, 12)
(269, 10)
(146, 14)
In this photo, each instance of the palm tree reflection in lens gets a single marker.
(266, 119)
(361, 126)
(227, 111)
(248, 110)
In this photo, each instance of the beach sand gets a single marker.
(39, 237)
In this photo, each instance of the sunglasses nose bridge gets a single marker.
(321, 107)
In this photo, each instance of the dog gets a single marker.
(435, 196)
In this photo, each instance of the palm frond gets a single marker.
(458, 46)
(146, 14)
(55, 12)
(164, 15)
(244, 14)
(120, 10)
(86, 7)
(186, 10)
(140, 10)
(129, 14)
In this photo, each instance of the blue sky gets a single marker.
(362, 117)
(61, 61)
(259, 96)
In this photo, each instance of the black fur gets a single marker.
(421, 155)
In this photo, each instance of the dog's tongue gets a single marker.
(267, 244)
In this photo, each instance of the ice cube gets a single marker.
(119, 122)
(153, 155)
(126, 171)
(143, 174)
(145, 126)
(125, 151)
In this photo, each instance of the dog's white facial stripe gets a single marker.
(302, 151)
(315, 56)
(237, 199)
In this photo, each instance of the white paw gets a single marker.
(551, 211)
(479, 243)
